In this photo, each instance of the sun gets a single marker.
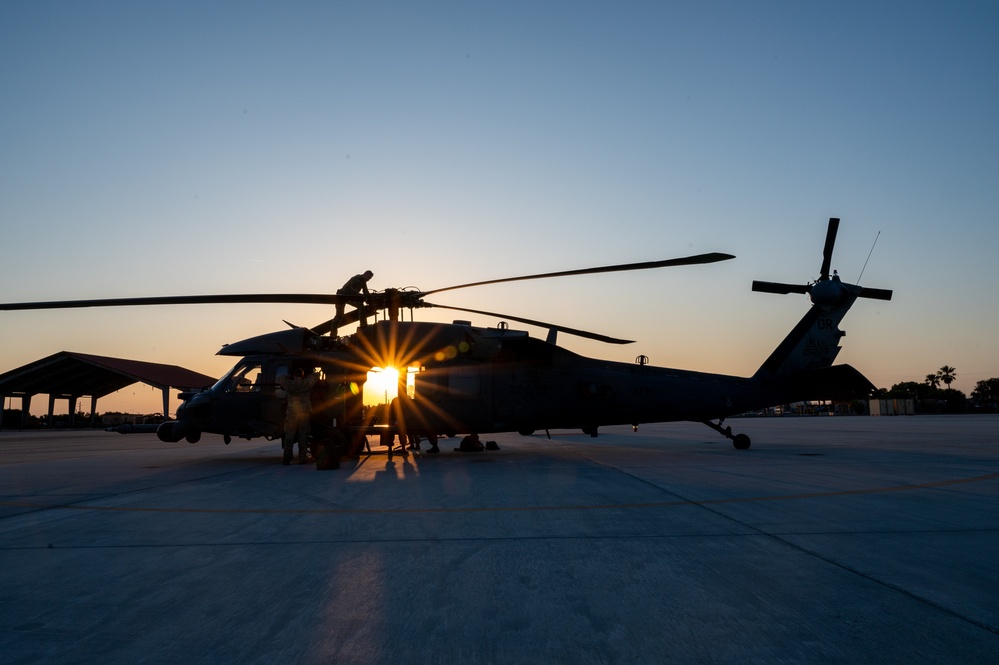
(381, 386)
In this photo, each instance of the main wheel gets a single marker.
(741, 442)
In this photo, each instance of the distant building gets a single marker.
(71, 376)
(115, 418)
(892, 406)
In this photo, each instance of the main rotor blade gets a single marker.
(685, 261)
(324, 327)
(780, 288)
(541, 324)
(294, 298)
(828, 249)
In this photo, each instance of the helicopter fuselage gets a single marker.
(465, 379)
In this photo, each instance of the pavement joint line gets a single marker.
(53, 506)
(784, 539)
(751, 533)
(485, 509)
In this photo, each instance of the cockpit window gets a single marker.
(244, 378)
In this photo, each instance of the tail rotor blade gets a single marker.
(876, 294)
(780, 288)
(828, 249)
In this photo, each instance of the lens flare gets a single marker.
(381, 386)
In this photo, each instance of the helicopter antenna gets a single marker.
(868, 256)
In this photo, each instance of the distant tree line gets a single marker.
(934, 398)
(986, 394)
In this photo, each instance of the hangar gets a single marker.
(70, 376)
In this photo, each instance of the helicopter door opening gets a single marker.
(383, 384)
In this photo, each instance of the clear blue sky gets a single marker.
(223, 147)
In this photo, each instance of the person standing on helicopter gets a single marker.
(355, 286)
(298, 415)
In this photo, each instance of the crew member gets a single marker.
(355, 286)
(298, 414)
(400, 409)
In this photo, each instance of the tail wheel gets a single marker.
(741, 442)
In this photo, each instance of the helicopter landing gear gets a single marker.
(740, 441)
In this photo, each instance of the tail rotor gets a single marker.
(827, 289)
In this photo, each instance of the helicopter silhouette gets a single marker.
(456, 378)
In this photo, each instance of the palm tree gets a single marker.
(932, 380)
(947, 374)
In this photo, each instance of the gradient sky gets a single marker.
(240, 147)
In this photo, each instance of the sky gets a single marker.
(261, 147)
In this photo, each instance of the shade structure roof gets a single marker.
(78, 374)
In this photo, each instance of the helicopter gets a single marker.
(456, 378)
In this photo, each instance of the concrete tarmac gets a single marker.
(832, 540)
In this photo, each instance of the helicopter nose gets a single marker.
(197, 411)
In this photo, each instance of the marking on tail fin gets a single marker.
(812, 344)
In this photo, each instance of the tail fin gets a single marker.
(801, 367)
(812, 344)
